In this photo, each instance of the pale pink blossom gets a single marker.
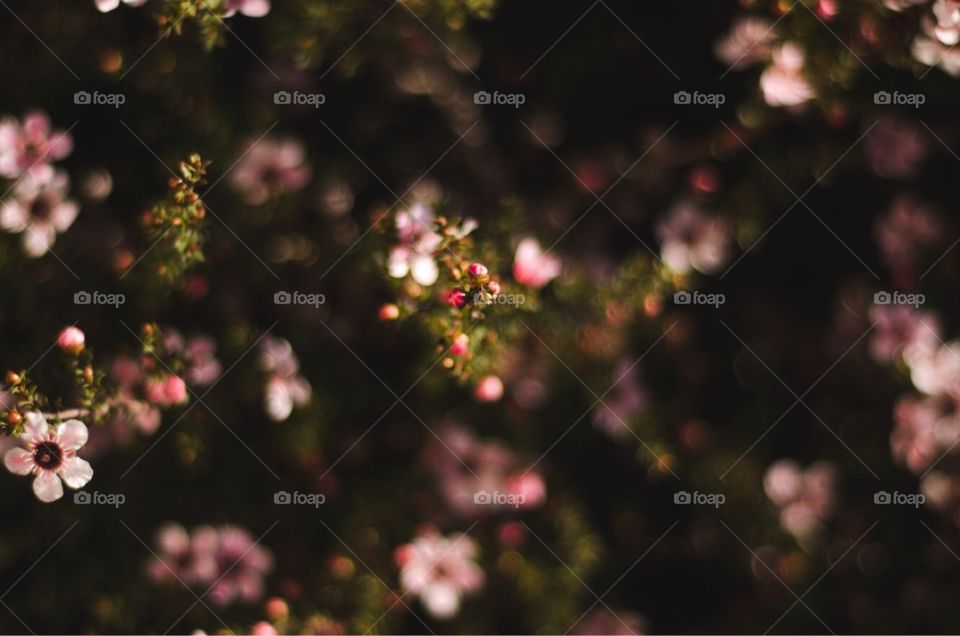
(783, 82)
(71, 340)
(908, 230)
(929, 49)
(440, 570)
(603, 622)
(902, 5)
(197, 352)
(263, 628)
(285, 388)
(689, 239)
(169, 390)
(249, 8)
(224, 557)
(748, 41)
(923, 429)
(896, 147)
(105, 6)
(418, 240)
(531, 266)
(901, 330)
(40, 209)
(806, 498)
(489, 389)
(947, 28)
(496, 480)
(623, 403)
(51, 455)
(270, 168)
(30, 147)
(936, 372)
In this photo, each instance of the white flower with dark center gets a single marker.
(51, 455)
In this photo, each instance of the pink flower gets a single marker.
(904, 233)
(225, 557)
(477, 270)
(748, 41)
(269, 169)
(461, 345)
(71, 340)
(532, 267)
(105, 6)
(40, 209)
(806, 498)
(627, 399)
(923, 429)
(168, 391)
(249, 8)
(489, 389)
(690, 239)
(456, 298)
(263, 628)
(198, 354)
(901, 330)
(51, 455)
(782, 82)
(285, 388)
(440, 570)
(928, 47)
(895, 148)
(529, 488)
(31, 147)
(418, 241)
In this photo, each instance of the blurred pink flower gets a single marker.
(805, 498)
(624, 402)
(603, 622)
(40, 209)
(901, 330)
(531, 266)
(225, 557)
(928, 46)
(109, 5)
(691, 239)
(923, 429)
(903, 234)
(31, 147)
(782, 82)
(71, 340)
(488, 389)
(169, 390)
(51, 455)
(202, 366)
(285, 387)
(440, 570)
(748, 41)
(418, 240)
(895, 148)
(249, 8)
(270, 168)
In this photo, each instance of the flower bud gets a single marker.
(71, 340)
(13, 379)
(389, 312)
(456, 298)
(476, 270)
(461, 344)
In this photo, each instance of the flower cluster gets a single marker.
(225, 557)
(440, 570)
(285, 387)
(38, 207)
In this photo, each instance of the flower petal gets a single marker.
(76, 472)
(47, 486)
(72, 434)
(35, 427)
(19, 461)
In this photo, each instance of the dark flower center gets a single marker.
(41, 208)
(48, 455)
